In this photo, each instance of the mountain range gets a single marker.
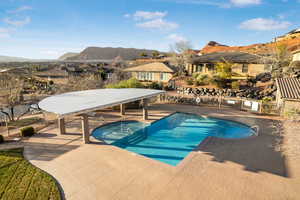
(13, 59)
(109, 53)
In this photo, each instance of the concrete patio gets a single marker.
(252, 168)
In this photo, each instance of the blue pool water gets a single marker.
(171, 139)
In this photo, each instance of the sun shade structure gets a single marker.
(75, 103)
(82, 102)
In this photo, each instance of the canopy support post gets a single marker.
(62, 126)
(85, 128)
(145, 109)
(122, 109)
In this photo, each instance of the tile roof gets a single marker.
(232, 57)
(151, 67)
(289, 88)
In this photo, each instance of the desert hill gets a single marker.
(108, 53)
(291, 40)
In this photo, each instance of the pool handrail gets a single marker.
(255, 128)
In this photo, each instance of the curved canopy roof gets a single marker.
(75, 103)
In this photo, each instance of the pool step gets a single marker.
(132, 139)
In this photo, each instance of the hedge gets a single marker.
(27, 131)
(1, 139)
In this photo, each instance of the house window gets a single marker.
(145, 76)
(245, 68)
(163, 76)
(210, 67)
(199, 68)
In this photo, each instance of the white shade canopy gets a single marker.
(90, 100)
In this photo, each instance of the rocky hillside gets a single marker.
(68, 55)
(108, 53)
(266, 48)
(12, 59)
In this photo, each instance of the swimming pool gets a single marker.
(170, 139)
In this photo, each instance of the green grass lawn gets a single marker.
(21, 180)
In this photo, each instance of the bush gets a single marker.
(195, 75)
(156, 86)
(203, 79)
(189, 81)
(27, 131)
(131, 83)
(235, 85)
(1, 139)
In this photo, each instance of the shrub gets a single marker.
(195, 75)
(203, 79)
(189, 81)
(27, 131)
(51, 82)
(235, 85)
(1, 139)
(156, 86)
(130, 83)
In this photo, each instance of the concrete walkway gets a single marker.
(250, 168)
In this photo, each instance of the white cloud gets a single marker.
(177, 38)
(152, 20)
(160, 24)
(20, 22)
(245, 2)
(261, 24)
(219, 3)
(20, 9)
(144, 15)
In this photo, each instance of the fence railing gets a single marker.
(248, 105)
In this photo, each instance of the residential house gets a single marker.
(290, 35)
(243, 63)
(288, 94)
(152, 72)
(296, 56)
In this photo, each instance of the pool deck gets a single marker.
(252, 168)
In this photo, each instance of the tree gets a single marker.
(11, 87)
(155, 54)
(144, 55)
(82, 82)
(180, 54)
(281, 62)
(181, 47)
(224, 70)
(224, 73)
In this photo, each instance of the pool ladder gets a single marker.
(255, 128)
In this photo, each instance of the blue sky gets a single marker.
(49, 28)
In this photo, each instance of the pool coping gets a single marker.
(200, 146)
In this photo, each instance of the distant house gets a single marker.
(290, 35)
(288, 94)
(244, 63)
(296, 56)
(153, 72)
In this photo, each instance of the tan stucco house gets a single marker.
(152, 72)
(244, 63)
(296, 56)
(290, 35)
(288, 94)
